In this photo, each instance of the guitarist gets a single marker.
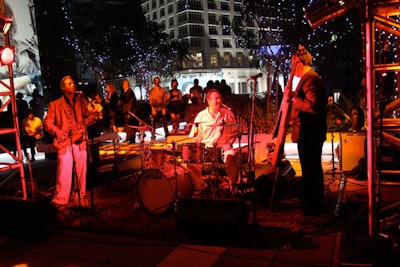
(308, 115)
(66, 120)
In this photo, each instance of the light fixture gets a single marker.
(7, 55)
(5, 22)
(321, 11)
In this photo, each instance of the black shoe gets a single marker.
(33, 159)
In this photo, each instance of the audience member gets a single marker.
(111, 108)
(175, 105)
(38, 104)
(158, 104)
(224, 88)
(128, 100)
(196, 92)
(31, 131)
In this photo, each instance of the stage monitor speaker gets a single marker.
(215, 216)
(352, 149)
(265, 182)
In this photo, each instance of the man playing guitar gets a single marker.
(66, 119)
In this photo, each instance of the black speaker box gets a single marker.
(203, 215)
(264, 183)
(26, 216)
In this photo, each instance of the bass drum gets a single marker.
(156, 188)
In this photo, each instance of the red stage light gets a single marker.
(7, 55)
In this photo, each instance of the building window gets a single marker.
(154, 4)
(195, 17)
(226, 43)
(214, 43)
(162, 12)
(211, 4)
(212, 18)
(195, 61)
(182, 17)
(172, 34)
(225, 19)
(212, 30)
(183, 31)
(170, 9)
(228, 58)
(239, 59)
(237, 7)
(194, 4)
(224, 6)
(171, 22)
(214, 59)
(154, 15)
(196, 30)
(195, 42)
(161, 2)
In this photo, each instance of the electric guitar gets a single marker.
(73, 135)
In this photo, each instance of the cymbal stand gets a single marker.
(177, 193)
(251, 162)
(241, 186)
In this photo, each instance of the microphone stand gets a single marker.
(90, 158)
(251, 172)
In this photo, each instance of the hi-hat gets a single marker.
(140, 128)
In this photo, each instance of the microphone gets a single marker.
(256, 76)
(225, 106)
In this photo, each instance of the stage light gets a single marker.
(321, 11)
(7, 55)
(5, 22)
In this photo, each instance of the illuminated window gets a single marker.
(214, 59)
(228, 58)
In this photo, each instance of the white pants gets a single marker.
(65, 168)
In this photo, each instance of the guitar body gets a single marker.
(74, 135)
(58, 144)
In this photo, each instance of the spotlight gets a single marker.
(5, 22)
(321, 11)
(7, 55)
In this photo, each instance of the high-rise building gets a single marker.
(204, 25)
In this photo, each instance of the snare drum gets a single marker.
(156, 188)
(191, 152)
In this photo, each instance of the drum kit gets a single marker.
(169, 172)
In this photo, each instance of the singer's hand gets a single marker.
(289, 93)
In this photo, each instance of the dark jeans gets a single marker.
(312, 179)
(31, 140)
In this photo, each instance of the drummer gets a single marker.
(216, 126)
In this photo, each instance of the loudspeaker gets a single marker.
(265, 182)
(27, 216)
(353, 148)
(203, 215)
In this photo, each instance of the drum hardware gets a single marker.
(243, 187)
(215, 175)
